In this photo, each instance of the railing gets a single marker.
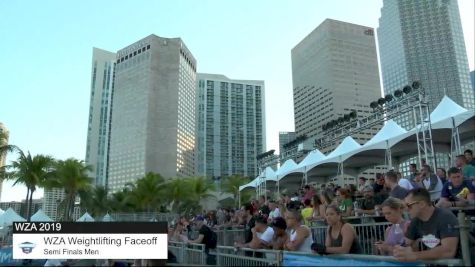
(227, 237)
(188, 253)
(143, 216)
(230, 256)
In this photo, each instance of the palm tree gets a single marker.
(147, 192)
(95, 200)
(177, 191)
(71, 175)
(120, 201)
(4, 146)
(231, 185)
(31, 171)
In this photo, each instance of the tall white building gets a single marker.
(423, 41)
(153, 111)
(98, 132)
(334, 72)
(230, 125)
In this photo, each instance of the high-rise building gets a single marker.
(284, 138)
(334, 72)
(3, 156)
(230, 125)
(153, 111)
(98, 132)
(423, 41)
(472, 77)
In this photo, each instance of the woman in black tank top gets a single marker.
(341, 237)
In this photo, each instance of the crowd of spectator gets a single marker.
(422, 228)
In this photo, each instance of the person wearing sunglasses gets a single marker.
(436, 228)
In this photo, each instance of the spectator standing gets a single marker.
(340, 238)
(393, 209)
(300, 236)
(280, 234)
(318, 212)
(345, 204)
(309, 192)
(468, 171)
(442, 174)
(361, 185)
(379, 189)
(457, 192)
(396, 190)
(368, 203)
(262, 235)
(207, 237)
(274, 211)
(409, 182)
(431, 182)
(435, 227)
(307, 212)
(469, 157)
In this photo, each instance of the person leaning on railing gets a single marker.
(340, 238)
(300, 238)
(436, 228)
(393, 209)
(457, 192)
(280, 234)
(262, 235)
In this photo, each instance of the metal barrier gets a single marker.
(188, 253)
(441, 262)
(230, 256)
(227, 237)
(367, 235)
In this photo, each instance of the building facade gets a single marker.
(230, 125)
(423, 41)
(334, 71)
(3, 156)
(21, 207)
(472, 77)
(153, 111)
(284, 138)
(98, 131)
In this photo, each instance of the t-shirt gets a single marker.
(434, 185)
(267, 235)
(399, 192)
(307, 212)
(441, 224)
(274, 213)
(406, 184)
(460, 192)
(207, 235)
(468, 171)
(472, 162)
(345, 203)
(247, 230)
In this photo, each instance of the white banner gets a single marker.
(90, 246)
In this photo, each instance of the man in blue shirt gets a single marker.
(457, 192)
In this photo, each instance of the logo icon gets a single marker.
(27, 247)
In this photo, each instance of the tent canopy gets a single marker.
(86, 217)
(9, 217)
(107, 218)
(447, 108)
(254, 183)
(285, 169)
(269, 175)
(40, 216)
(313, 157)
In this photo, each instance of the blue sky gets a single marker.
(46, 50)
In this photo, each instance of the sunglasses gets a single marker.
(409, 205)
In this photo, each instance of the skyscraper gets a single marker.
(423, 41)
(472, 77)
(3, 156)
(98, 131)
(284, 138)
(334, 72)
(153, 111)
(231, 125)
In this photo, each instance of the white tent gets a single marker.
(446, 109)
(313, 157)
(10, 216)
(285, 169)
(268, 175)
(107, 218)
(254, 184)
(86, 217)
(40, 216)
(1, 212)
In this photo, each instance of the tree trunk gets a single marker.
(26, 204)
(71, 206)
(30, 205)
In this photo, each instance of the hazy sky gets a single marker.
(46, 51)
